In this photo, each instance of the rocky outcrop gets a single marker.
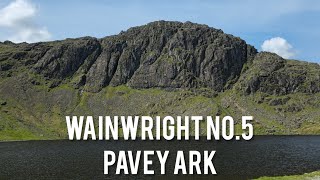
(196, 70)
(271, 74)
(161, 54)
(66, 57)
(169, 55)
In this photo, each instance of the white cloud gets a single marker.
(279, 46)
(18, 19)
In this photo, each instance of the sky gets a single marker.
(290, 28)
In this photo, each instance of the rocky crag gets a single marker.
(160, 68)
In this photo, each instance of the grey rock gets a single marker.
(169, 55)
(271, 74)
(162, 54)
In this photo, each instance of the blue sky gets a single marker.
(290, 28)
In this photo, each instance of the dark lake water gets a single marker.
(262, 156)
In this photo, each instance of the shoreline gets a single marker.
(315, 175)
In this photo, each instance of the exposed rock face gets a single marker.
(40, 83)
(271, 74)
(169, 54)
(159, 54)
(65, 58)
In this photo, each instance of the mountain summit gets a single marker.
(159, 54)
(61, 77)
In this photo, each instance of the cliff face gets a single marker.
(159, 54)
(169, 55)
(165, 55)
(162, 54)
(272, 74)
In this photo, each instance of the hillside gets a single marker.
(162, 68)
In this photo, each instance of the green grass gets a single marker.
(21, 120)
(19, 134)
(7, 48)
(307, 176)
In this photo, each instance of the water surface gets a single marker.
(262, 156)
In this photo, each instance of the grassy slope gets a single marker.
(307, 176)
(35, 111)
(32, 112)
(39, 112)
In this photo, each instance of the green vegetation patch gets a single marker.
(307, 176)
